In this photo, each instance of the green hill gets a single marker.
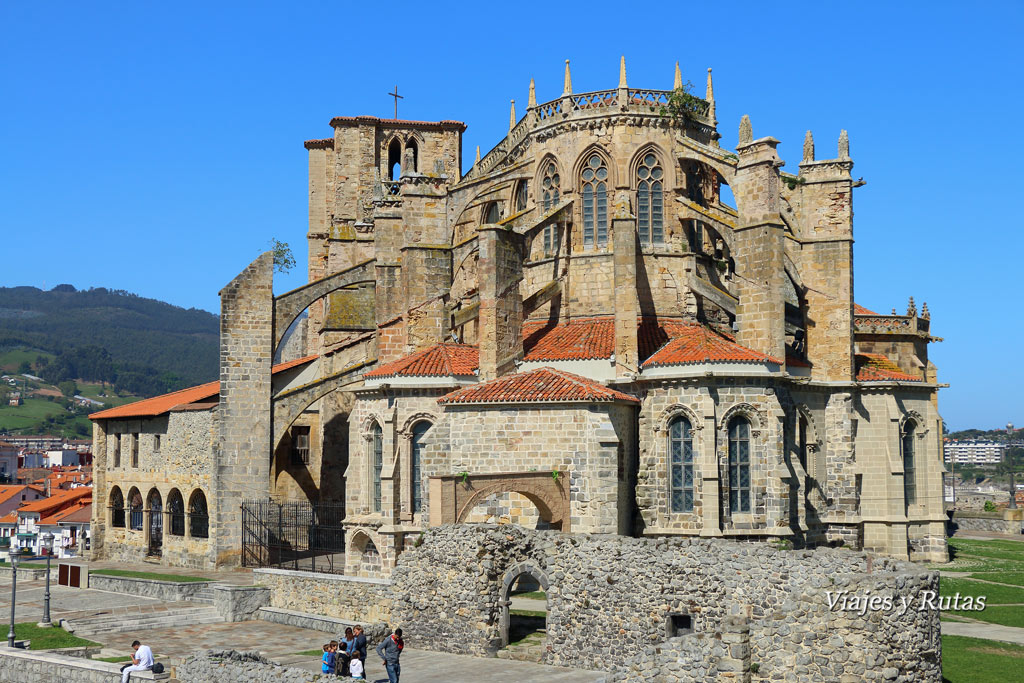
(140, 346)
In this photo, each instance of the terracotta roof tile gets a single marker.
(593, 338)
(11, 490)
(158, 405)
(9, 518)
(57, 501)
(860, 310)
(440, 360)
(543, 385)
(876, 367)
(701, 344)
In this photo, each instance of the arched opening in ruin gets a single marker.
(362, 556)
(511, 507)
(524, 611)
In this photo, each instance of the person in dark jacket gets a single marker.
(390, 649)
(360, 643)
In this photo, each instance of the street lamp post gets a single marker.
(46, 541)
(14, 591)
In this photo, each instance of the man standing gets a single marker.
(390, 650)
(142, 660)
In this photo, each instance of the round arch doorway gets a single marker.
(524, 609)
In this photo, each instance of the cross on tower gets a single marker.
(397, 97)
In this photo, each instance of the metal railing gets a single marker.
(301, 536)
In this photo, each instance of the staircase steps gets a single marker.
(170, 616)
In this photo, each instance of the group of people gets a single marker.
(347, 655)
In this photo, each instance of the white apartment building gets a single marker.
(973, 451)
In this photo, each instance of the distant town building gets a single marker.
(15, 399)
(8, 461)
(973, 452)
(63, 457)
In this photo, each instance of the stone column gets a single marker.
(426, 281)
(734, 666)
(825, 201)
(758, 249)
(243, 447)
(501, 303)
(626, 305)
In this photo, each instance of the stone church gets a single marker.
(580, 333)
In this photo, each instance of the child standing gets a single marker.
(355, 667)
(330, 658)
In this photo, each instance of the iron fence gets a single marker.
(302, 536)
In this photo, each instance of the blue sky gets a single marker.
(157, 147)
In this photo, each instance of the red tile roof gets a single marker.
(440, 360)
(81, 515)
(592, 338)
(58, 501)
(11, 490)
(860, 310)
(700, 344)
(158, 405)
(62, 515)
(876, 367)
(543, 385)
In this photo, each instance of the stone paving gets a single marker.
(275, 641)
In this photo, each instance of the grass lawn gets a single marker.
(48, 638)
(26, 565)
(528, 613)
(310, 653)
(1016, 578)
(995, 595)
(533, 595)
(972, 660)
(123, 659)
(1006, 616)
(176, 578)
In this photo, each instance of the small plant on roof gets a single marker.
(464, 476)
(555, 475)
(682, 106)
(284, 260)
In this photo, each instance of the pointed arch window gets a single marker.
(650, 200)
(550, 186)
(377, 453)
(520, 197)
(909, 469)
(394, 160)
(492, 213)
(594, 180)
(680, 444)
(739, 465)
(419, 430)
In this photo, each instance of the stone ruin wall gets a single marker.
(604, 590)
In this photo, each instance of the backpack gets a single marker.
(158, 668)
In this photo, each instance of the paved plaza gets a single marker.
(274, 641)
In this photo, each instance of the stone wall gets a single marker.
(166, 591)
(342, 597)
(25, 666)
(1007, 522)
(450, 594)
(230, 666)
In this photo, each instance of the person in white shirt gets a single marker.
(142, 660)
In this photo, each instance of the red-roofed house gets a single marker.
(38, 517)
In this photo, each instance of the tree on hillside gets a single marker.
(25, 368)
(68, 388)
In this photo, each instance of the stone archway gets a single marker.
(512, 575)
(453, 496)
